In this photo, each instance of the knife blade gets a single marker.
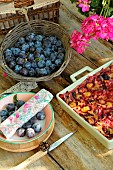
(60, 141)
(40, 154)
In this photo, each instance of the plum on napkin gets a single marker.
(25, 113)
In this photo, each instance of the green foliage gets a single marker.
(95, 3)
(72, 1)
(15, 99)
(110, 12)
(97, 7)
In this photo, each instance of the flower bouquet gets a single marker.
(100, 7)
(98, 24)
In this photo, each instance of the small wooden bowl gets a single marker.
(23, 144)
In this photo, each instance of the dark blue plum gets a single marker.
(34, 64)
(17, 44)
(24, 71)
(32, 72)
(15, 51)
(8, 53)
(53, 57)
(43, 72)
(27, 125)
(19, 103)
(54, 48)
(33, 120)
(9, 59)
(22, 54)
(21, 40)
(21, 132)
(31, 44)
(25, 47)
(30, 37)
(58, 43)
(17, 69)
(36, 126)
(4, 112)
(58, 62)
(47, 51)
(39, 50)
(32, 49)
(38, 44)
(36, 54)
(30, 57)
(27, 65)
(12, 64)
(47, 58)
(30, 132)
(61, 50)
(40, 115)
(19, 61)
(37, 70)
(41, 64)
(53, 67)
(10, 107)
(52, 39)
(46, 43)
(48, 63)
(42, 57)
(48, 70)
(3, 118)
(39, 37)
(60, 56)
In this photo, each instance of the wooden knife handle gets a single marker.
(30, 160)
(6, 1)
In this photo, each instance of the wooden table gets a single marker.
(82, 151)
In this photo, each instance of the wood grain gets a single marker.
(30, 160)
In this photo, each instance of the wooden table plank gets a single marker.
(9, 160)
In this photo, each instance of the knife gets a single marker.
(41, 153)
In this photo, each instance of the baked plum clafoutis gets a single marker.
(93, 100)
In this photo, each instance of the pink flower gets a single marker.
(94, 27)
(110, 24)
(17, 115)
(11, 119)
(26, 107)
(79, 41)
(84, 4)
(98, 27)
(90, 27)
(36, 97)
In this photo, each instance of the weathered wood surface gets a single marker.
(82, 151)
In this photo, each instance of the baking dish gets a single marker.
(102, 139)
